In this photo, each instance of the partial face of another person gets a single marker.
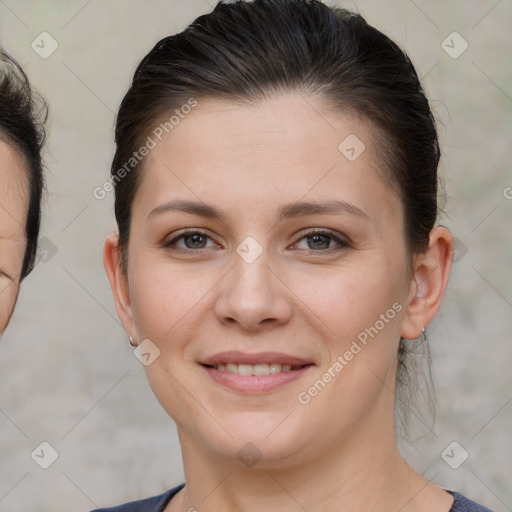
(13, 218)
(257, 246)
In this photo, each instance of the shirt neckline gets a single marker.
(171, 493)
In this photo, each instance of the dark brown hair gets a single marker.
(22, 117)
(247, 51)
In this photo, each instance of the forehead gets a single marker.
(13, 193)
(278, 149)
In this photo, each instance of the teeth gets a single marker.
(256, 369)
(274, 368)
(261, 369)
(245, 369)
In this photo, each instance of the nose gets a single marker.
(252, 297)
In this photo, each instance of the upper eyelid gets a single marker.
(184, 233)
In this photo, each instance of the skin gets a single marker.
(13, 215)
(339, 451)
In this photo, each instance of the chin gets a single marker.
(270, 439)
(280, 452)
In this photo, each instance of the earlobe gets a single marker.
(118, 281)
(432, 270)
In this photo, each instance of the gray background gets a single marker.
(68, 374)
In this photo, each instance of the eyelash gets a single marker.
(343, 244)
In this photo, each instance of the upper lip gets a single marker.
(255, 358)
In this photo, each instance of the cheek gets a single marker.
(169, 301)
(8, 295)
(346, 300)
(359, 313)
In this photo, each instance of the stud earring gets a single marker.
(420, 339)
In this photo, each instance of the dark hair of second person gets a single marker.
(23, 114)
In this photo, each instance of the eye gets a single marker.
(189, 241)
(5, 274)
(322, 241)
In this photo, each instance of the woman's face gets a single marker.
(13, 214)
(259, 242)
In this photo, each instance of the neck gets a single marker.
(362, 471)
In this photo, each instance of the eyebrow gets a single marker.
(192, 207)
(287, 211)
(301, 209)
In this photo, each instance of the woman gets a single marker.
(276, 198)
(21, 174)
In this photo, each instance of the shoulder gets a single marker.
(154, 504)
(463, 504)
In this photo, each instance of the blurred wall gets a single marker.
(69, 376)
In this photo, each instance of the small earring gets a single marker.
(420, 339)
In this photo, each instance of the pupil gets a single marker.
(320, 241)
(196, 241)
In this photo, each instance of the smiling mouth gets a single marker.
(255, 373)
(256, 369)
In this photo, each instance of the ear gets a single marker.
(431, 272)
(118, 282)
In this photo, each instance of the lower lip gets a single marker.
(255, 384)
